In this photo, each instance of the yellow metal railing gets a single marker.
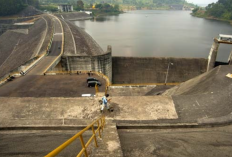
(100, 124)
(96, 88)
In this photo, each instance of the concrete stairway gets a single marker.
(109, 145)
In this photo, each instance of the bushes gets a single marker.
(195, 10)
(11, 7)
(222, 9)
(107, 7)
(51, 8)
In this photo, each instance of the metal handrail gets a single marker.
(100, 123)
(96, 88)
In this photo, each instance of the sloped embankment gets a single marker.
(18, 48)
(85, 44)
(206, 98)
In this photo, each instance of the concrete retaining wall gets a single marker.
(98, 63)
(128, 70)
(4, 28)
(8, 24)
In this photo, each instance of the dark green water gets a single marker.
(157, 33)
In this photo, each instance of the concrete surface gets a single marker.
(143, 108)
(127, 70)
(85, 44)
(140, 90)
(50, 28)
(74, 16)
(55, 49)
(109, 145)
(31, 111)
(49, 86)
(98, 63)
(204, 97)
(29, 143)
(68, 39)
(204, 142)
(20, 48)
(41, 142)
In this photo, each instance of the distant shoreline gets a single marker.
(212, 18)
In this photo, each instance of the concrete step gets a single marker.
(109, 145)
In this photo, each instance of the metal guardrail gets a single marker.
(100, 123)
(96, 88)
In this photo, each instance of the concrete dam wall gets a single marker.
(99, 63)
(127, 70)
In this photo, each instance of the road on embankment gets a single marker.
(55, 50)
(35, 85)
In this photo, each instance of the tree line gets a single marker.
(221, 9)
(140, 3)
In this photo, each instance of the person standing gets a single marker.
(105, 102)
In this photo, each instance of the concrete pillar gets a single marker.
(68, 65)
(213, 55)
(230, 58)
(109, 48)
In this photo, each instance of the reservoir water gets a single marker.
(158, 33)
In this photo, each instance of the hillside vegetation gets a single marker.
(220, 10)
(151, 4)
(11, 7)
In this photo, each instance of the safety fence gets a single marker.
(100, 125)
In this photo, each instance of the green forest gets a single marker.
(221, 10)
(10, 7)
(119, 1)
(138, 3)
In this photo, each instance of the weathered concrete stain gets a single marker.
(112, 145)
(127, 70)
(130, 108)
(144, 108)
